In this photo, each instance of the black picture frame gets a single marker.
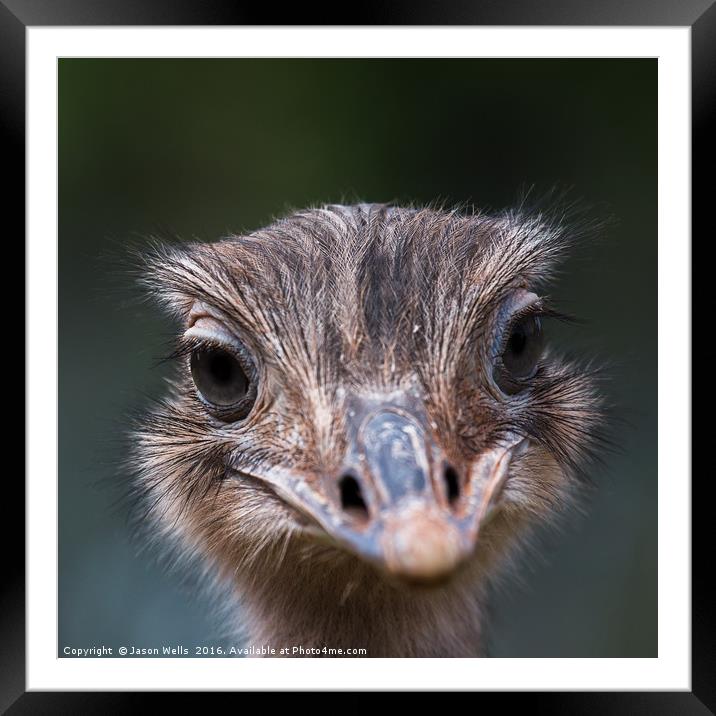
(700, 15)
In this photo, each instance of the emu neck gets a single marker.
(348, 606)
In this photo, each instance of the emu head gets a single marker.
(365, 378)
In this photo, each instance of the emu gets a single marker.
(364, 423)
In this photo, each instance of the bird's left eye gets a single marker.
(521, 354)
(222, 382)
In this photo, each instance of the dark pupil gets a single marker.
(219, 377)
(522, 351)
(518, 340)
(221, 367)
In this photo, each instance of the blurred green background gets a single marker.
(199, 148)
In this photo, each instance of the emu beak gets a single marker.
(397, 502)
(423, 519)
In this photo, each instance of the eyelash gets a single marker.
(186, 345)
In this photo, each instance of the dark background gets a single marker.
(198, 148)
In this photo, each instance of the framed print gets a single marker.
(358, 342)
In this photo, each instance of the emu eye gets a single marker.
(222, 382)
(521, 353)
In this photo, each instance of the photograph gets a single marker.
(357, 357)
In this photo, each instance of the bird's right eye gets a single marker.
(222, 382)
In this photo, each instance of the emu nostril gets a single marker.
(352, 497)
(452, 483)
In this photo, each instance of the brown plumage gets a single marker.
(363, 423)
